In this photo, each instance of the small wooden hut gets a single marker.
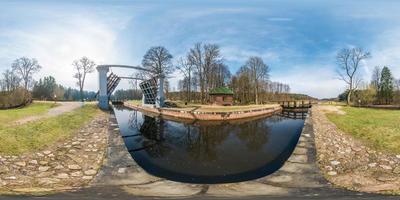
(221, 96)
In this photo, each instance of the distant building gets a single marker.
(221, 96)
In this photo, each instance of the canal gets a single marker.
(208, 152)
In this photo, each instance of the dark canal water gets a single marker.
(198, 152)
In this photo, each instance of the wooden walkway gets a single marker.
(295, 104)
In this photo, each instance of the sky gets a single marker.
(299, 40)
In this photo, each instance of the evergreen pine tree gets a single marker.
(386, 86)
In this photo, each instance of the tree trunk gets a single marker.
(256, 92)
(349, 97)
(202, 91)
(189, 88)
(26, 84)
(81, 93)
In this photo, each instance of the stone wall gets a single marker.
(196, 115)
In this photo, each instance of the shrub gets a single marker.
(18, 97)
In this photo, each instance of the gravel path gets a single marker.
(62, 108)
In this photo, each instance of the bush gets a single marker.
(18, 97)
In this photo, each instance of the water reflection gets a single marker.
(208, 152)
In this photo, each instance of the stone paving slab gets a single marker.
(163, 188)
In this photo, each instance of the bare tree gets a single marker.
(397, 84)
(82, 66)
(186, 69)
(204, 58)
(259, 71)
(158, 60)
(376, 77)
(195, 57)
(219, 76)
(137, 77)
(25, 68)
(349, 63)
(10, 81)
(134, 83)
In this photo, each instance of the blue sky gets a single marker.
(297, 39)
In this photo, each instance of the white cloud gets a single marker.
(316, 81)
(57, 43)
(385, 52)
(239, 54)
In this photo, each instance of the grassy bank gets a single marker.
(36, 135)
(376, 127)
(11, 115)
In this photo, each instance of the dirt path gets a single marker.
(62, 108)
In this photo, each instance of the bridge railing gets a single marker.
(296, 104)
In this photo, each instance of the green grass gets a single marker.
(36, 135)
(378, 128)
(135, 102)
(11, 115)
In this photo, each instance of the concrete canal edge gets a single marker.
(299, 175)
(200, 115)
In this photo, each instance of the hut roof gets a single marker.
(221, 90)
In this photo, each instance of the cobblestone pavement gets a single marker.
(348, 163)
(65, 165)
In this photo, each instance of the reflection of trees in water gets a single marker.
(201, 142)
(133, 121)
(276, 118)
(153, 130)
(159, 150)
(254, 134)
(205, 140)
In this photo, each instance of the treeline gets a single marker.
(181, 96)
(382, 89)
(203, 68)
(17, 86)
(48, 89)
(128, 94)
(15, 82)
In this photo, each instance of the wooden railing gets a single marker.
(295, 104)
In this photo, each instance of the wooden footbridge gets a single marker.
(295, 105)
